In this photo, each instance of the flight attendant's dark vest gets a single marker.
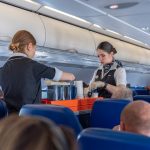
(108, 78)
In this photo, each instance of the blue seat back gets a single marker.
(3, 109)
(142, 97)
(106, 113)
(106, 139)
(141, 92)
(59, 114)
(137, 87)
(134, 93)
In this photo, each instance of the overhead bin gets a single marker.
(60, 35)
(13, 19)
(51, 12)
(125, 51)
(27, 4)
(101, 30)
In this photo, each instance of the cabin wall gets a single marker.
(63, 37)
(85, 74)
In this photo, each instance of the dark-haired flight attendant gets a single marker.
(110, 75)
(20, 77)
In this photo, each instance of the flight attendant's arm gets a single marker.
(120, 90)
(88, 88)
(60, 75)
(67, 76)
(43, 71)
(116, 91)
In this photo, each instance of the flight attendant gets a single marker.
(110, 77)
(21, 76)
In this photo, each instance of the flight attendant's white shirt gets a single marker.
(119, 75)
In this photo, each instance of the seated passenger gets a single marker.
(21, 76)
(29, 133)
(135, 118)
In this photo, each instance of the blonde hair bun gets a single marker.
(14, 47)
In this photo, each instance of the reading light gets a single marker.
(115, 6)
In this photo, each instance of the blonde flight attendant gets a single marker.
(21, 76)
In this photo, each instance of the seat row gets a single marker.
(105, 114)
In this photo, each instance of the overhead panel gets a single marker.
(111, 18)
(141, 5)
(138, 20)
(60, 35)
(14, 19)
(49, 11)
(101, 30)
(27, 4)
(125, 51)
(124, 29)
(70, 7)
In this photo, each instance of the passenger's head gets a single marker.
(23, 42)
(105, 52)
(135, 118)
(27, 133)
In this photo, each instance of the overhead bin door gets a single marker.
(125, 51)
(13, 19)
(66, 17)
(30, 5)
(60, 35)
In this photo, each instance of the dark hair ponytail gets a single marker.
(107, 47)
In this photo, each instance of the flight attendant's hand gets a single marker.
(97, 84)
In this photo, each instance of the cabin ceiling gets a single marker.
(130, 19)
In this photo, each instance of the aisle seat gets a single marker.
(59, 114)
(140, 92)
(106, 139)
(106, 113)
(142, 97)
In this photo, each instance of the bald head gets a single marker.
(135, 117)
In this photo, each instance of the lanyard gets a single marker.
(104, 74)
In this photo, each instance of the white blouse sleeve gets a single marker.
(58, 74)
(120, 76)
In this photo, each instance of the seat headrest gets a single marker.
(106, 139)
(59, 114)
